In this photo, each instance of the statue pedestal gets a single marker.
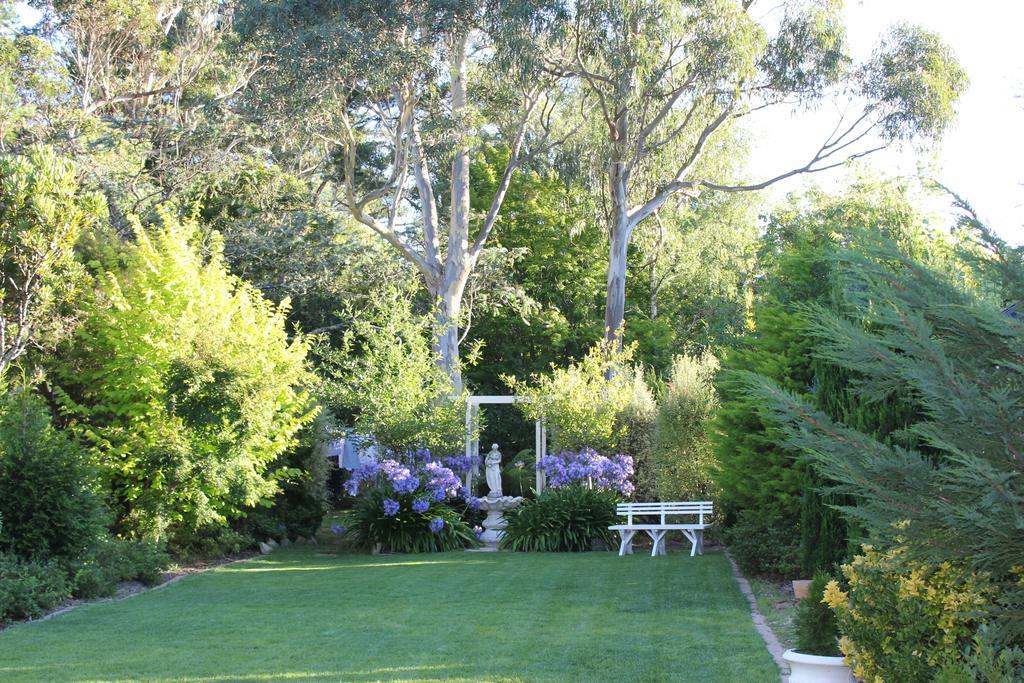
(495, 523)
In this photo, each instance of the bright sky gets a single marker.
(981, 158)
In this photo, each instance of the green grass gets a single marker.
(778, 609)
(313, 614)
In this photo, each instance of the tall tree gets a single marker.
(666, 79)
(42, 216)
(400, 89)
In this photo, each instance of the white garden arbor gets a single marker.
(473, 429)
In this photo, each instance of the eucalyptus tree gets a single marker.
(144, 88)
(667, 79)
(400, 96)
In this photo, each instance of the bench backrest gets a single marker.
(701, 509)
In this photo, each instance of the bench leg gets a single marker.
(626, 546)
(694, 537)
(658, 536)
(700, 541)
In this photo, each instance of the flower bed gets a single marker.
(411, 506)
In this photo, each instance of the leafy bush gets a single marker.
(408, 508)
(298, 508)
(682, 454)
(816, 630)
(213, 541)
(571, 518)
(636, 428)
(30, 588)
(185, 383)
(47, 497)
(386, 374)
(904, 621)
(580, 404)
(764, 546)
(112, 561)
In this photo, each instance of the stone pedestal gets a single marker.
(494, 525)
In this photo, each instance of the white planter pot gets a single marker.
(816, 669)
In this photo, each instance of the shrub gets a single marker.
(636, 427)
(30, 588)
(408, 507)
(298, 508)
(682, 453)
(816, 630)
(211, 541)
(112, 561)
(185, 383)
(571, 518)
(904, 621)
(47, 496)
(580, 404)
(386, 374)
(764, 546)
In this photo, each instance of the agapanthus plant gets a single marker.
(411, 503)
(589, 469)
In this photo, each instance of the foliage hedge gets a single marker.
(571, 518)
(48, 500)
(682, 457)
(29, 588)
(764, 545)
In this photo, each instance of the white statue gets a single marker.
(493, 472)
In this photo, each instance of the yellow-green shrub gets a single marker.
(902, 622)
(582, 403)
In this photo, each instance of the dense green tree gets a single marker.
(754, 471)
(42, 215)
(184, 383)
(952, 494)
(279, 240)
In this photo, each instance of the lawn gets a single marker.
(314, 614)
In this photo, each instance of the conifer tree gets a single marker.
(952, 490)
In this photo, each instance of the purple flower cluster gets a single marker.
(367, 471)
(441, 481)
(436, 524)
(590, 469)
(423, 476)
(401, 477)
(461, 463)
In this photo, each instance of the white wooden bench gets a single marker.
(657, 529)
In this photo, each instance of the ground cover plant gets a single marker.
(316, 615)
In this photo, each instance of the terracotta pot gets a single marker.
(801, 588)
(816, 668)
